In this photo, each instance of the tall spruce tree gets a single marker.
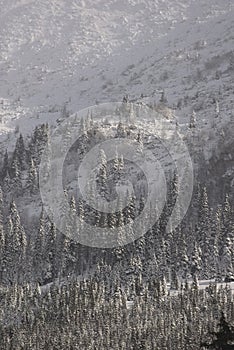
(223, 339)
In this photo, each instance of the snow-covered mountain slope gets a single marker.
(80, 53)
(83, 52)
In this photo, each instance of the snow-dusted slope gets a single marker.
(83, 52)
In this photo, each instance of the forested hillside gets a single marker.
(116, 175)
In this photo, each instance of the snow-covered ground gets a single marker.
(80, 53)
(203, 284)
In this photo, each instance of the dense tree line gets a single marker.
(44, 304)
(97, 314)
(202, 245)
